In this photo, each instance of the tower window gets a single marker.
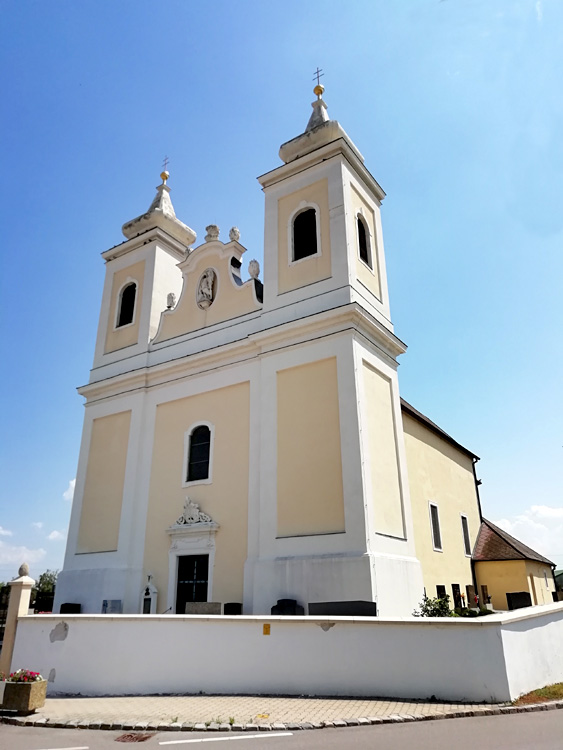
(363, 241)
(126, 305)
(198, 454)
(305, 234)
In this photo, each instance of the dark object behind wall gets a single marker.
(70, 608)
(518, 599)
(287, 607)
(356, 608)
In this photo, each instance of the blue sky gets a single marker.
(457, 109)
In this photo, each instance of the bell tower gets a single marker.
(336, 521)
(141, 274)
(323, 239)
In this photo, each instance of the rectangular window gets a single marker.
(435, 523)
(441, 592)
(466, 541)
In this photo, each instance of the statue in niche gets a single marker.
(206, 289)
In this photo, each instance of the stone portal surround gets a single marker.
(251, 713)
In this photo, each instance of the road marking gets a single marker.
(263, 735)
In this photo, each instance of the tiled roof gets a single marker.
(495, 544)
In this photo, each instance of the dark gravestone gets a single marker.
(518, 599)
(357, 608)
(232, 608)
(287, 607)
(70, 608)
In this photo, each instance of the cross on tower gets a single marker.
(165, 163)
(318, 75)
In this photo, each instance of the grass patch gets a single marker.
(549, 693)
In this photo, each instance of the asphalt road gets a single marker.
(532, 731)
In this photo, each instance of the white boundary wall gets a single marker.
(494, 658)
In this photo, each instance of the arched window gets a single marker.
(305, 234)
(363, 241)
(198, 454)
(127, 305)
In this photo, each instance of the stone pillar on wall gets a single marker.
(20, 594)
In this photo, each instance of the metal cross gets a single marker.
(165, 163)
(318, 75)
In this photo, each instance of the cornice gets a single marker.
(248, 347)
(175, 247)
(336, 148)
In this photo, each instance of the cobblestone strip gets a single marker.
(211, 726)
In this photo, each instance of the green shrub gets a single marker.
(439, 607)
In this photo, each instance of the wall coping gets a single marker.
(503, 618)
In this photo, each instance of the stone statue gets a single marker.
(254, 269)
(212, 233)
(234, 234)
(205, 289)
(170, 301)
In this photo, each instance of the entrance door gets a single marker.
(193, 572)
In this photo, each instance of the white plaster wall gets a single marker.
(453, 659)
(533, 644)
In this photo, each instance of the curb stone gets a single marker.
(156, 726)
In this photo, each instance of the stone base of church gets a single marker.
(393, 583)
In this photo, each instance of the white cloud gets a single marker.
(5, 532)
(540, 527)
(68, 494)
(37, 524)
(56, 536)
(539, 11)
(17, 555)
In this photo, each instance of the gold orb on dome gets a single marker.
(318, 90)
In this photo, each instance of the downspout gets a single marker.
(477, 483)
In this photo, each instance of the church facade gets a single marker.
(245, 442)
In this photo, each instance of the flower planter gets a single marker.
(24, 697)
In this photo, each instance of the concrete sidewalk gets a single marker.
(239, 713)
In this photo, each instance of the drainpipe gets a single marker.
(477, 483)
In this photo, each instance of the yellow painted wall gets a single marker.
(368, 277)
(535, 571)
(440, 473)
(317, 267)
(502, 577)
(103, 488)
(225, 499)
(383, 461)
(309, 482)
(230, 301)
(118, 338)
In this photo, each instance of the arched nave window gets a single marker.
(126, 309)
(199, 454)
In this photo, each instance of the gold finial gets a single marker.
(165, 174)
(319, 88)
